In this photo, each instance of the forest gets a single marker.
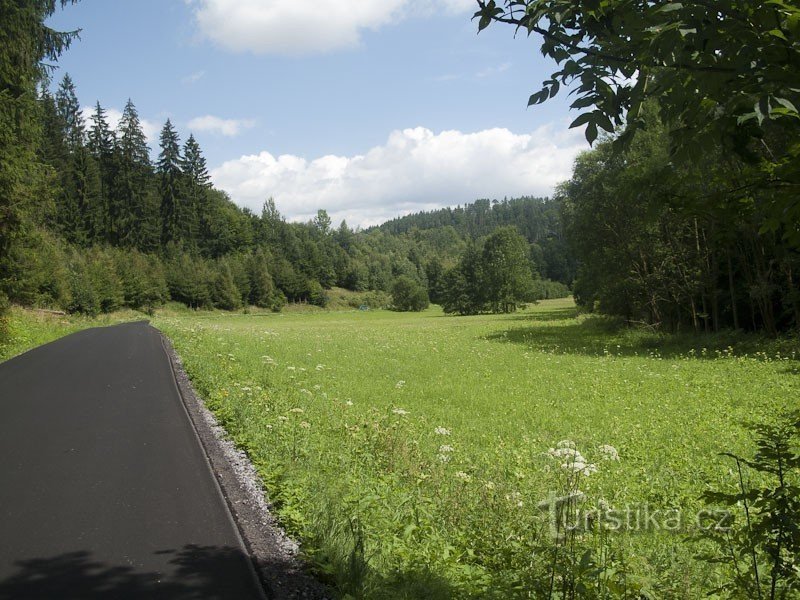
(93, 220)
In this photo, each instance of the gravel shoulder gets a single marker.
(275, 556)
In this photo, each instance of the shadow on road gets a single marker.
(197, 572)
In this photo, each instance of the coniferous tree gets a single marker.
(169, 172)
(100, 142)
(196, 221)
(81, 187)
(134, 218)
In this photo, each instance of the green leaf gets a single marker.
(786, 104)
(581, 120)
(591, 133)
(778, 34)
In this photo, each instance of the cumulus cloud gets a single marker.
(416, 169)
(226, 127)
(150, 128)
(290, 27)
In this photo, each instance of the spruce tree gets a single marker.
(100, 143)
(196, 223)
(25, 41)
(169, 173)
(80, 198)
(132, 220)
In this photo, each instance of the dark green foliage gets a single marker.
(507, 275)
(495, 275)
(143, 281)
(82, 297)
(189, 280)
(660, 243)
(761, 541)
(409, 295)
(723, 75)
(168, 169)
(25, 41)
(462, 291)
(134, 208)
(224, 293)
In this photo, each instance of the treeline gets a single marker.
(107, 227)
(679, 245)
(537, 219)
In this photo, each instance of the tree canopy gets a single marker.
(723, 73)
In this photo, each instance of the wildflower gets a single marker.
(463, 476)
(445, 448)
(305, 425)
(445, 458)
(399, 384)
(291, 368)
(441, 431)
(349, 403)
(489, 485)
(305, 391)
(282, 419)
(297, 411)
(609, 452)
(400, 411)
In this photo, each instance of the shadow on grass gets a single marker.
(547, 315)
(195, 572)
(596, 335)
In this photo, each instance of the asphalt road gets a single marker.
(105, 490)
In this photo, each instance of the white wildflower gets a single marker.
(305, 425)
(400, 411)
(399, 384)
(443, 458)
(463, 476)
(609, 452)
(445, 448)
(441, 431)
(349, 403)
(298, 411)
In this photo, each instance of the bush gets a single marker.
(409, 295)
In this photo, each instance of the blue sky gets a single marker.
(367, 108)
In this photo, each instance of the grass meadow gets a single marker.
(412, 453)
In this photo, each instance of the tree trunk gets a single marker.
(732, 289)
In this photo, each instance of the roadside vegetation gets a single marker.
(410, 452)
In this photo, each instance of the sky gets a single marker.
(366, 108)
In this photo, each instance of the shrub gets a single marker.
(409, 295)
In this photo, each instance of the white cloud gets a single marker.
(493, 70)
(416, 169)
(150, 128)
(193, 77)
(293, 27)
(226, 127)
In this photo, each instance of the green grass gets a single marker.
(339, 412)
(28, 328)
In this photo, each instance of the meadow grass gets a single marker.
(24, 329)
(409, 452)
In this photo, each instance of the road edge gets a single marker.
(275, 556)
